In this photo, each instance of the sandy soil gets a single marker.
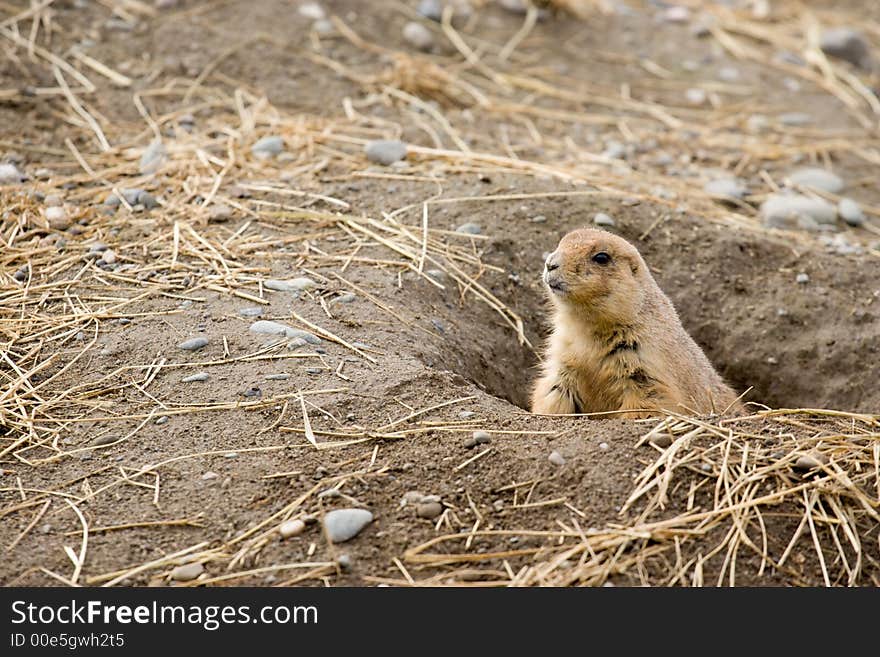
(408, 370)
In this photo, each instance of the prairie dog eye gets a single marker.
(601, 258)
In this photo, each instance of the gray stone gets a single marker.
(432, 9)
(251, 311)
(312, 10)
(411, 497)
(728, 74)
(57, 217)
(663, 440)
(695, 96)
(153, 157)
(482, 437)
(194, 344)
(277, 377)
(469, 228)
(818, 179)
(162, 420)
(201, 376)
(602, 219)
(344, 524)
(429, 510)
(219, 212)
(802, 278)
(53, 201)
(109, 256)
(385, 151)
(464, 415)
(556, 458)
(725, 188)
(268, 147)
(133, 197)
(10, 174)
(796, 211)
(811, 461)
(292, 285)
(208, 476)
(187, 572)
(418, 36)
(795, 118)
(345, 298)
(851, 212)
(104, 440)
(846, 44)
(265, 327)
(437, 274)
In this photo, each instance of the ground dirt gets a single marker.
(419, 361)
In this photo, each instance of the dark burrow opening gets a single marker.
(796, 345)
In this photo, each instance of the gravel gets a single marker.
(429, 510)
(193, 344)
(292, 528)
(385, 151)
(201, 376)
(344, 524)
(187, 572)
(469, 228)
(251, 311)
(556, 458)
(602, 219)
(292, 285)
(133, 197)
(57, 217)
(802, 278)
(266, 327)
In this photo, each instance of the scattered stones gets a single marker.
(201, 376)
(556, 458)
(193, 344)
(802, 278)
(292, 285)
(208, 476)
(251, 311)
(725, 188)
(418, 36)
(846, 44)
(277, 377)
(265, 327)
(819, 179)
(810, 461)
(103, 440)
(57, 217)
(851, 212)
(429, 510)
(796, 211)
(153, 157)
(602, 219)
(187, 572)
(662, 440)
(268, 147)
(344, 524)
(133, 197)
(10, 174)
(385, 151)
(218, 213)
(162, 420)
(469, 228)
(108, 257)
(464, 415)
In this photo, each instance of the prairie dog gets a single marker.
(617, 342)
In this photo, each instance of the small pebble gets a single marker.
(418, 36)
(292, 285)
(193, 344)
(728, 74)
(482, 437)
(810, 461)
(464, 415)
(344, 524)
(109, 256)
(603, 446)
(677, 14)
(851, 212)
(218, 213)
(162, 420)
(437, 274)
(292, 528)
(201, 376)
(795, 118)
(411, 497)
(556, 458)
(470, 229)
(802, 278)
(268, 147)
(345, 298)
(725, 188)
(9, 174)
(57, 217)
(267, 327)
(208, 476)
(252, 311)
(815, 178)
(187, 572)
(153, 157)
(385, 151)
(662, 440)
(344, 561)
(695, 96)
(431, 9)
(277, 377)
(104, 440)
(429, 510)
(312, 10)
(847, 44)
(602, 219)
(796, 211)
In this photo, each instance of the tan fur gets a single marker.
(617, 343)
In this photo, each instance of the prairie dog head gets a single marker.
(597, 275)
